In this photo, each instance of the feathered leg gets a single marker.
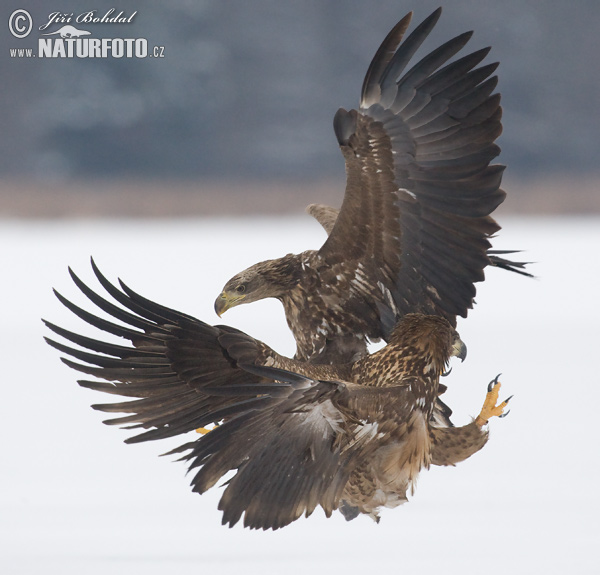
(451, 445)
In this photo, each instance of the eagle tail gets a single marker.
(509, 265)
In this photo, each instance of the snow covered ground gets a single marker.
(75, 500)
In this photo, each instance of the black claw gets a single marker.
(446, 373)
(507, 400)
(493, 383)
(504, 414)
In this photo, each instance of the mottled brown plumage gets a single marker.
(413, 231)
(334, 427)
(299, 435)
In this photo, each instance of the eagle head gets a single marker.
(271, 278)
(432, 337)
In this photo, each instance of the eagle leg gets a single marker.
(490, 409)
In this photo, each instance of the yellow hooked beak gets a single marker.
(227, 300)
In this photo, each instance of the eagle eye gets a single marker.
(241, 288)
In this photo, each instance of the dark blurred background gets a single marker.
(237, 116)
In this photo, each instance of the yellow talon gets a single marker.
(490, 409)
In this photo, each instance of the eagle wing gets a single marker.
(415, 219)
(176, 369)
(293, 440)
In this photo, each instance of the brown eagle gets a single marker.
(298, 435)
(413, 231)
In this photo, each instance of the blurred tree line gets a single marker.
(248, 89)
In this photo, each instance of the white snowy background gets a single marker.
(75, 500)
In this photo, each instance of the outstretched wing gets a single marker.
(283, 436)
(181, 373)
(292, 440)
(420, 188)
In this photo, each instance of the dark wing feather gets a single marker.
(287, 457)
(420, 190)
(176, 368)
(327, 215)
(298, 453)
(371, 89)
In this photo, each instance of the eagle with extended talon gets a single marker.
(413, 231)
(351, 437)
(343, 430)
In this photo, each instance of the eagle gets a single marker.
(298, 435)
(413, 233)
